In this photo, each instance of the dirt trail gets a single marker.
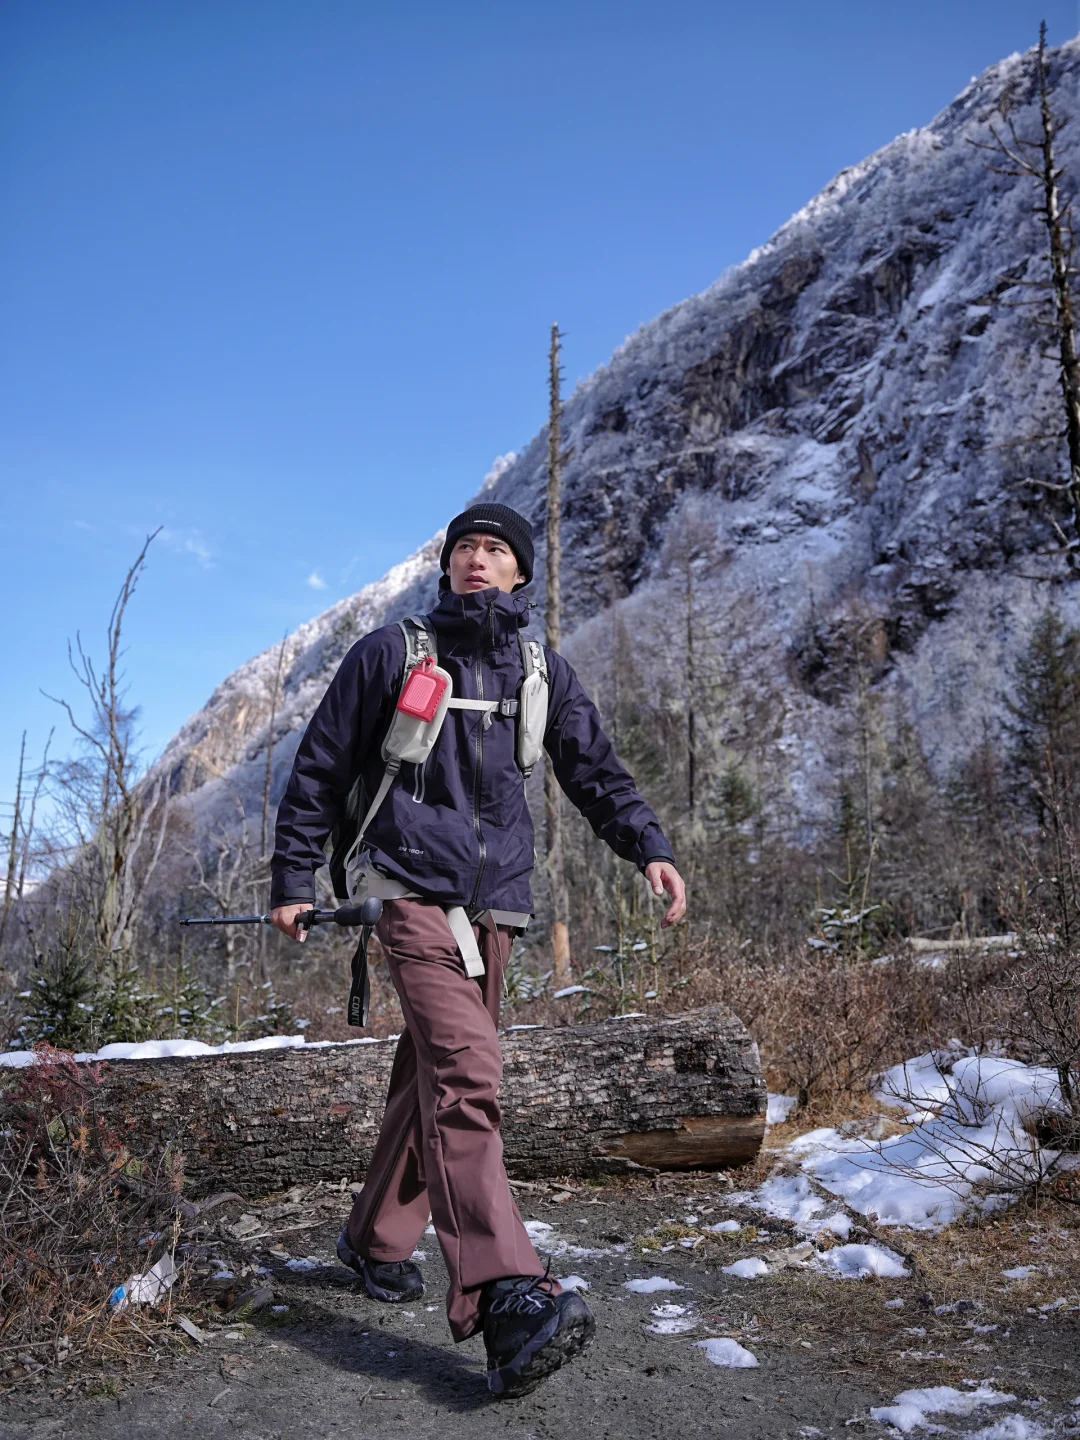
(828, 1349)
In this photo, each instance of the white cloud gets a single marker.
(316, 581)
(190, 542)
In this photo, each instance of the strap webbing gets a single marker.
(461, 928)
(393, 765)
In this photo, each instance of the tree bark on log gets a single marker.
(678, 1093)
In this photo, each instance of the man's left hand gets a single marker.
(662, 875)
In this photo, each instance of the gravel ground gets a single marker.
(828, 1349)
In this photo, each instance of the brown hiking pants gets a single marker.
(439, 1146)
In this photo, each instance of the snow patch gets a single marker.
(574, 1282)
(181, 1049)
(971, 1115)
(651, 1285)
(746, 1269)
(728, 1353)
(856, 1262)
(779, 1108)
(910, 1409)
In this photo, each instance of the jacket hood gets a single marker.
(489, 617)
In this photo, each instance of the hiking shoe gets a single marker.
(529, 1332)
(389, 1280)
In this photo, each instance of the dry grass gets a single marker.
(79, 1215)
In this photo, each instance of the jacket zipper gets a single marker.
(478, 780)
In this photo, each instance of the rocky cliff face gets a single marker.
(838, 417)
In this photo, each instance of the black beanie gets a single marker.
(490, 519)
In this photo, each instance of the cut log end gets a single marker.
(709, 1142)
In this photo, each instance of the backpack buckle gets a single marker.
(508, 707)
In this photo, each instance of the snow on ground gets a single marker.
(574, 1282)
(651, 1285)
(172, 1049)
(671, 1320)
(969, 1115)
(855, 1262)
(727, 1352)
(746, 1269)
(911, 1408)
(1010, 1427)
(792, 1197)
(779, 1109)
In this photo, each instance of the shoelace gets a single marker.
(527, 1296)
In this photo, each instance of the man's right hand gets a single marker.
(284, 917)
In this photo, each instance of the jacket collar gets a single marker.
(485, 619)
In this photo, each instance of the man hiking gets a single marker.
(415, 762)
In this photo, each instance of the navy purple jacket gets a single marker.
(457, 829)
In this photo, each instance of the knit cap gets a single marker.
(491, 519)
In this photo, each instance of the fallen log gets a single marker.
(678, 1093)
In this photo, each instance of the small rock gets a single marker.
(252, 1301)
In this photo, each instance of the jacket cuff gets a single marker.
(292, 889)
(668, 859)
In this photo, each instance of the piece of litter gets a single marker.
(304, 1264)
(279, 1309)
(147, 1289)
(573, 1282)
(855, 1262)
(728, 1353)
(746, 1269)
(191, 1329)
(220, 1396)
(650, 1285)
(793, 1257)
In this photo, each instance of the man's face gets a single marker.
(479, 561)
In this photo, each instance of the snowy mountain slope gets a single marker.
(839, 412)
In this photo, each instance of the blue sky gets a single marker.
(278, 277)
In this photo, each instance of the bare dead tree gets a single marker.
(560, 905)
(275, 697)
(13, 846)
(1037, 160)
(116, 822)
(228, 877)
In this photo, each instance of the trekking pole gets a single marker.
(367, 916)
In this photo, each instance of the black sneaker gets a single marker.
(389, 1280)
(529, 1332)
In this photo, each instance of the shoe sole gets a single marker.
(541, 1357)
(348, 1256)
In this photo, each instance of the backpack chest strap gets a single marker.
(490, 708)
